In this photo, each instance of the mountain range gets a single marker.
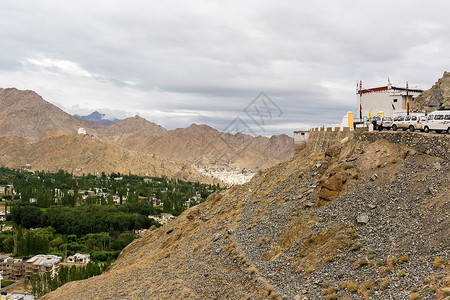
(98, 118)
(34, 131)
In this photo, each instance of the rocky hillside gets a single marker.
(362, 220)
(26, 114)
(438, 97)
(79, 154)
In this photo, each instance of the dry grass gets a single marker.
(274, 295)
(439, 262)
(329, 259)
(379, 263)
(261, 240)
(351, 286)
(331, 296)
(310, 269)
(242, 257)
(297, 228)
(328, 291)
(403, 259)
(414, 296)
(367, 289)
(269, 289)
(361, 262)
(252, 270)
(326, 243)
(443, 294)
(401, 273)
(352, 233)
(356, 247)
(391, 261)
(370, 253)
(384, 284)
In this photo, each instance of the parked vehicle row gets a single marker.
(435, 121)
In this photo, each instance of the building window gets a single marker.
(395, 100)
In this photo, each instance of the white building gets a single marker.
(386, 100)
(82, 131)
(79, 258)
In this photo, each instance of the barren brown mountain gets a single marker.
(366, 218)
(26, 114)
(201, 144)
(81, 154)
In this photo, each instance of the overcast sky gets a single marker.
(205, 62)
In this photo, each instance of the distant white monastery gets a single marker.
(82, 131)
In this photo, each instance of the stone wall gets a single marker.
(432, 144)
(322, 138)
(437, 145)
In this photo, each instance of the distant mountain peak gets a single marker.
(98, 118)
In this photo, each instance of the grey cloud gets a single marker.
(205, 61)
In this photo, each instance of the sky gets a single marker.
(261, 67)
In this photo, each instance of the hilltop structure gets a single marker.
(386, 100)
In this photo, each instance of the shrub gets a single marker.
(370, 253)
(328, 291)
(391, 261)
(379, 263)
(310, 269)
(352, 233)
(414, 296)
(439, 262)
(352, 287)
(361, 262)
(385, 283)
(403, 259)
(356, 246)
(269, 289)
(329, 259)
(261, 240)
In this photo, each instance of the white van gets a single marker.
(438, 121)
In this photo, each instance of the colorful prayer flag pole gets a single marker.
(360, 104)
(407, 102)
